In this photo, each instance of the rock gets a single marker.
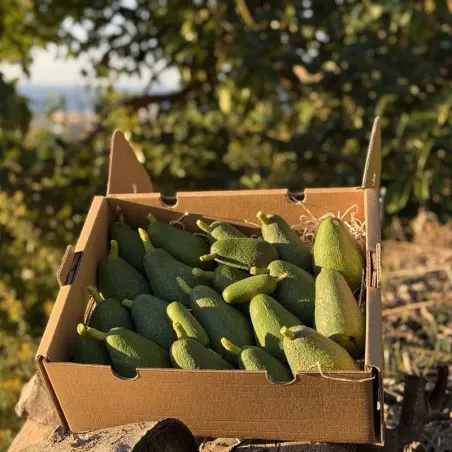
(35, 404)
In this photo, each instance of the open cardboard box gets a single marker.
(337, 407)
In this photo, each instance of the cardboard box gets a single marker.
(337, 407)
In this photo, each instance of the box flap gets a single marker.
(126, 174)
(372, 170)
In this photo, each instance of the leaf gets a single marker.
(398, 195)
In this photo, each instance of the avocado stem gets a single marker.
(183, 285)
(114, 250)
(203, 226)
(259, 271)
(180, 331)
(202, 273)
(208, 257)
(230, 347)
(262, 218)
(95, 294)
(148, 246)
(282, 277)
(127, 303)
(286, 332)
(86, 331)
(151, 218)
(120, 214)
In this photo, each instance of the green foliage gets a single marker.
(272, 94)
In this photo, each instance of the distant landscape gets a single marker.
(73, 98)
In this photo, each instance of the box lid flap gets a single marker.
(126, 174)
(372, 170)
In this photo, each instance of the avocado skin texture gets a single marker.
(244, 253)
(310, 347)
(244, 290)
(117, 279)
(131, 247)
(162, 269)
(225, 275)
(108, 314)
(297, 292)
(255, 358)
(151, 321)
(220, 319)
(90, 351)
(287, 243)
(268, 317)
(335, 248)
(190, 354)
(181, 244)
(128, 351)
(222, 230)
(337, 314)
(177, 312)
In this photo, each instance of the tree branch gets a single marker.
(143, 100)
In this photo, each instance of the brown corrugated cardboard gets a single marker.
(314, 407)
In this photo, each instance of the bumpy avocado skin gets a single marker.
(177, 312)
(286, 241)
(190, 354)
(151, 321)
(255, 358)
(131, 247)
(225, 276)
(244, 253)
(268, 317)
(222, 230)
(181, 244)
(297, 292)
(337, 314)
(335, 248)
(108, 314)
(119, 280)
(220, 319)
(244, 290)
(162, 269)
(90, 351)
(310, 349)
(129, 351)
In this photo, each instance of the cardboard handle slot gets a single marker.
(169, 200)
(65, 266)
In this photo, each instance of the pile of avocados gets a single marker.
(219, 299)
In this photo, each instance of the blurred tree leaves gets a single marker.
(271, 94)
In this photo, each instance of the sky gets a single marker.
(50, 68)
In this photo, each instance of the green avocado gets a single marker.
(268, 317)
(128, 350)
(219, 319)
(255, 358)
(307, 350)
(108, 313)
(242, 253)
(149, 315)
(286, 241)
(188, 353)
(131, 247)
(335, 248)
(181, 244)
(162, 269)
(117, 279)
